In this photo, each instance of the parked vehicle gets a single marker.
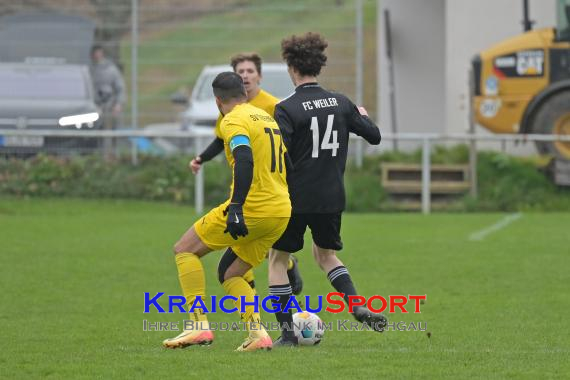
(38, 96)
(45, 84)
(522, 84)
(202, 111)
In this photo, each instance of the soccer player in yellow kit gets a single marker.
(247, 224)
(248, 66)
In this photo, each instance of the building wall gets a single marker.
(418, 28)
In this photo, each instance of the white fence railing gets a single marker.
(202, 137)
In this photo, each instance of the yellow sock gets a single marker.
(193, 283)
(291, 264)
(237, 286)
(249, 278)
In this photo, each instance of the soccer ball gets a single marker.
(308, 327)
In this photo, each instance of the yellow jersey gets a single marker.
(268, 195)
(263, 100)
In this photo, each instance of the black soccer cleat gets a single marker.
(281, 342)
(295, 277)
(375, 321)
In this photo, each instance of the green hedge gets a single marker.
(505, 183)
(154, 178)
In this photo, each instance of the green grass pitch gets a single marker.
(74, 272)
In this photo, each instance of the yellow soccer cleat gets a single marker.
(190, 338)
(258, 340)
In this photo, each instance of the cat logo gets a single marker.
(525, 63)
(530, 62)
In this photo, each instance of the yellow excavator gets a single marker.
(522, 84)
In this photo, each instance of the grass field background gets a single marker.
(74, 272)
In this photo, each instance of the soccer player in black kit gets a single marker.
(315, 125)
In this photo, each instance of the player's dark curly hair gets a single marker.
(305, 53)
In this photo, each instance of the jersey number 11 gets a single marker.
(330, 139)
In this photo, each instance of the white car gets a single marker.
(202, 111)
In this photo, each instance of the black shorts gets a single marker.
(325, 229)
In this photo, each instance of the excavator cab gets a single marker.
(563, 20)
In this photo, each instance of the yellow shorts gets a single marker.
(253, 248)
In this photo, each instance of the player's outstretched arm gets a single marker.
(363, 126)
(243, 176)
(215, 148)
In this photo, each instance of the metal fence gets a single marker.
(192, 142)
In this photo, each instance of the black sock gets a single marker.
(341, 281)
(285, 320)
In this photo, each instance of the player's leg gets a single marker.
(231, 271)
(294, 275)
(279, 286)
(340, 279)
(228, 257)
(325, 229)
(188, 251)
(206, 234)
(335, 270)
(249, 277)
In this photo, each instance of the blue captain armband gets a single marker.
(238, 140)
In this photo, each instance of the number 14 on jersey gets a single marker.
(330, 139)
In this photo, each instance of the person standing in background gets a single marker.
(110, 95)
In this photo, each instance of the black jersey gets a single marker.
(315, 124)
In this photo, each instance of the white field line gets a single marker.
(481, 234)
